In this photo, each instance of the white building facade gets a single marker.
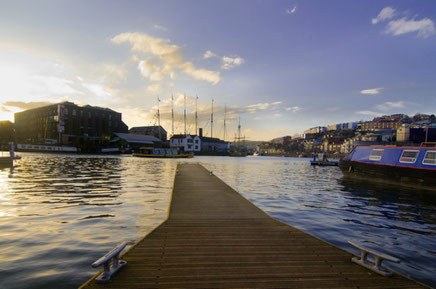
(190, 143)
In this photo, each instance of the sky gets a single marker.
(280, 67)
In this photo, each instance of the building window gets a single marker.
(196, 141)
(409, 156)
(74, 112)
(430, 158)
(376, 154)
(196, 147)
(66, 110)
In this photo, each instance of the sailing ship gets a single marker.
(239, 149)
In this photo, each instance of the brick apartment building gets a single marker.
(85, 127)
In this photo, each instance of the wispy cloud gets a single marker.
(386, 106)
(166, 58)
(26, 105)
(229, 62)
(385, 13)
(424, 27)
(372, 90)
(293, 108)
(209, 54)
(368, 112)
(160, 28)
(291, 10)
(252, 108)
(154, 88)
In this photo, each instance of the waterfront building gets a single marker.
(315, 130)
(416, 135)
(85, 127)
(213, 144)
(371, 125)
(190, 143)
(155, 130)
(133, 142)
(332, 145)
(6, 133)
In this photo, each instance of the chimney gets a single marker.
(200, 132)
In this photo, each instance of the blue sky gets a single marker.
(281, 66)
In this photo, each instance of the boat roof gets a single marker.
(398, 147)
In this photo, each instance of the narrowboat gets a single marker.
(408, 166)
(150, 152)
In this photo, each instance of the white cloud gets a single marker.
(151, 71)
(293, 108)
(209, 54)
(252, 108)
(291, 10)
(385, 13)
(391, 105)
(372, 90)
(97, 89)
(160, 28)
(424, 27)
(167, 57)
(229, 62)
(154, 88)
(368, 112)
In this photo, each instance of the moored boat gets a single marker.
(324, 163)
(409, 166)
(151, 152)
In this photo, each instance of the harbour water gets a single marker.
(59, 213)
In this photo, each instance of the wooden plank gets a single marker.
(213, 237)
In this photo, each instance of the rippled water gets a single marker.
(59, 213)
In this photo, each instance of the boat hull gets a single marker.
(324, 163)
(389, 168)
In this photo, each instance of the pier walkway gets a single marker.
(215, 238)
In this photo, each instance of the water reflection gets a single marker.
(59, 213)
(398, 221)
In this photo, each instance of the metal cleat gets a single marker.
(109, 269)
(378, 259)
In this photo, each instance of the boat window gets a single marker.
(409, 156)
(376, 154)
(430, 158)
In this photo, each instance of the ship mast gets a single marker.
(225, 112)
(211, 121)
(158, 117)
(184, 112)
(196, 114)
(172, 114)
